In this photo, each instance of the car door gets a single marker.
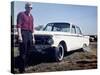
(73, 38)
(79, 37)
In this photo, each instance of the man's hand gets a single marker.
(20, 39)
(33, 38)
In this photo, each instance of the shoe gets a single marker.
(21, 70)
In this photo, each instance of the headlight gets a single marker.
(50, 41)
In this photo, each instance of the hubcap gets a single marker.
(60, 53)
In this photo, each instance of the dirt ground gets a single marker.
(74, 60)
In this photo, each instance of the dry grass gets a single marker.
(77, 60)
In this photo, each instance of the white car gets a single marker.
(60, 38)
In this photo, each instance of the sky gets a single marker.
(83, 16)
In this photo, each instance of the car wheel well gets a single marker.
(64, 45)
(85, 47)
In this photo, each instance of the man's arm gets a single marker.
(19, 22)
(33, 30)
(19, 35)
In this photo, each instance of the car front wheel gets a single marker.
(59, 53)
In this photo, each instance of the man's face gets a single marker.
(28, 9)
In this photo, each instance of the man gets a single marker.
(25, 23)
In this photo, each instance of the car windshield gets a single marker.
(61, 27)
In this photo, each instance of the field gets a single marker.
(74, 60)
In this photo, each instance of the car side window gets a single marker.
(78, 31)
(48, 28)
(73, 29)
(56, 29)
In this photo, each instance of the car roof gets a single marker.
(59, 22)
(63, 23)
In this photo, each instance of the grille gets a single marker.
(42, 39)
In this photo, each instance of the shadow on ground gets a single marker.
(36, 58)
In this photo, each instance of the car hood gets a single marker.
(50, 33)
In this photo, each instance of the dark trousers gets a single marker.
(25, 48)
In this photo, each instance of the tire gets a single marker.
(85, 48)
(59, 53)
